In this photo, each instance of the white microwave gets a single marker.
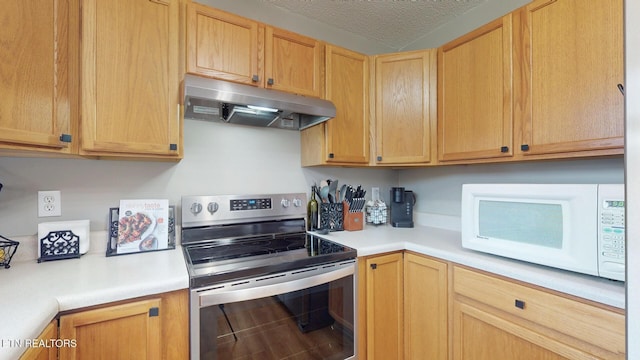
(576, 227)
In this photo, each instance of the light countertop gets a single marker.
(34, 293)
(447, 245)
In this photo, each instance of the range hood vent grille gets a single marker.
(217, 100)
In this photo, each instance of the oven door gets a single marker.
(304, 314)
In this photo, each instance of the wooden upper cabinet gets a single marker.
(35, 82)
(405, 107)
(572, 65)
(293, 62)
(224, 46)
(345, 138)
(130, 79)
(475, 102)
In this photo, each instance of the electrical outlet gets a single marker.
(375, 193)
(49, 203)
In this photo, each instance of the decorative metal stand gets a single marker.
(7, 249)
(58, 245)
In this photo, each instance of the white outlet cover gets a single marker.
(375, 193)
(49, 203)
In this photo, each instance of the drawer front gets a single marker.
(594, 325)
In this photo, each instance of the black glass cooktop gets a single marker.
(216, 261)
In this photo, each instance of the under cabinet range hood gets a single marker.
(217, 100)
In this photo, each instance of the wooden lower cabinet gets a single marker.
(402, 307)
(154, 327)
(44, 352)
(425, 308)
(380, 307)
(412, 306)
(498, 318)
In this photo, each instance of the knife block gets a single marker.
(353, 221)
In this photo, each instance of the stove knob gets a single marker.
(285, 203)
(297, 202)
(212, 207)
(196, 208)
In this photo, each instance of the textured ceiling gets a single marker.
(394, 23)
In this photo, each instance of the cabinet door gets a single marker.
(44, 352)
(385, 307)
(348, 88)
(293, 62)
(475, 103)
(425, 308)
(130, 78)
(128, 331)
(480, 335)
(224, 46)
(405, 107)
(35, 67)
(496, 317)
(572, 65)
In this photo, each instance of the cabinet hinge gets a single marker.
(65, 138)
(154, 311)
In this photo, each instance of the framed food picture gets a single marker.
(140, 226)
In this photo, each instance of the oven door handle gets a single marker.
(273, 286)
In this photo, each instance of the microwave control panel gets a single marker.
(611, 231)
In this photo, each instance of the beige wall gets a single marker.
(219, 159)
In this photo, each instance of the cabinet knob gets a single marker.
(520, 304)
(374, 266)
(504, 149)
(331, 155)
(524, 147)
(255, 78)
(379, 158)
(270, 81)
(621, 88)
(173, 147)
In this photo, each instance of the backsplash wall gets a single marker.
(439, 189)
(219, 159)
(230, 159)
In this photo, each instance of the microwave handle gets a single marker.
(216, 297)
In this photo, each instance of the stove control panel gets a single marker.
(250, 204)
(229, 209)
